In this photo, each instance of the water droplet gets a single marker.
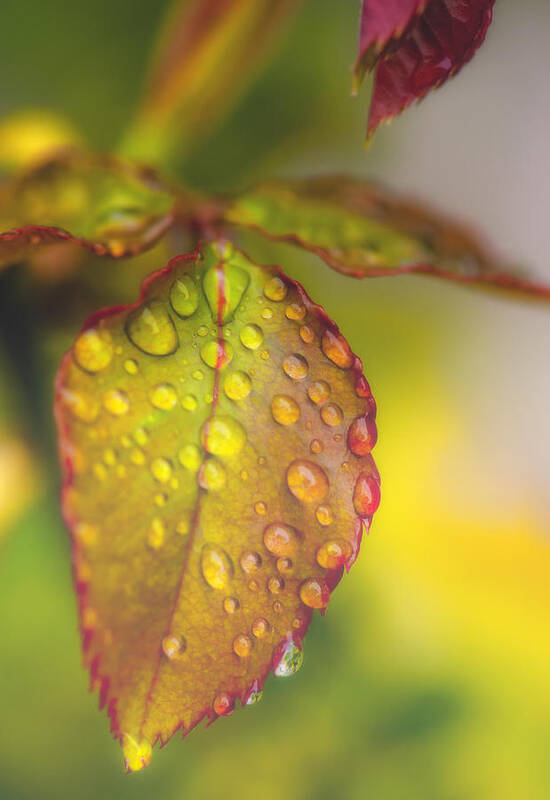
(260, 508)
(85, 409)
(163, 397)
(141, 436)
(156, 534)
(217, 354)
(109, 457)
(314, 593)
(216, 566)
(250, 562)
(224, 286)
(285, 409)
(275, 585)
(284, 565)
(183, 526)
(237, 385)
(116, 402)
(190, 457)
(150, 328)
(184, 296)
(189, 402)
(93, 350)
(362, 388)
(296, 367)
(161, 469)
(202, 330)
(362, 435)
(251, 336)
(275, 289)
(254, 586)
(336, 348)
(223, 436)
(264, 355)
(307, 481)
(131, 366)
(198, 375)
(212, 475)
(137, 755)
(366, 495)
(332, 415)
(324, 515)
(224, 704)
(173, 646)
(281, 539)
(230, 605)
(319, 392)
(333, 554)
(267, 313)
(295, 311)
(307, 334)
(261, 628)
(254, 695)
(287, 660)
(316, 446)
(242, 645)
(137, 457)
(278, 607)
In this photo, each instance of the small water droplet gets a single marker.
(223, 436)
(254, 586)
(116, 402)
(93, 350)
(224, 704)
(333, 554)
(216, 566)
(278, 607)
(275, 585)
(314, 593)
(161, 469)
(332, 415)
(109, 457)
(254, 696)
(202, 330)
(230, 605)
(324, 515)
(237, 385)
(307, 481)
(307, 334)
(242, 645)
(267, 313)
(264, 355)
(198, 375)
(141, 436)
(150, 328)
(173, 646)
(316, 446)
(319, 392)
(131, 366)
(296, 366)
(212, 475)
(285, 409)
(250, 562)
(295, 311)
(281, 539)
(275, 289)
(336, 348)
(189, 402)
(184, 296)
(137, 457)
(190, 457)
(366, 495)
(183, 526)
(261, 628)
(362, 435)
(217, 354)
(251, 336)
(284, 565)
(287, 660)
(260, 508)
(163, 397)
(156, 534)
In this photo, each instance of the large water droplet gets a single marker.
(163, 397)
(307, 481)
(212, 475)
(190, 457)
(217, 354)
(254, 695)
(295, 311)
(223, 436)
(161, 469)
(314, 593)
(251, 336)
(184, 296)
(362, 435)
(319, 392)
(116, 402)
(242, 645)
(285, 409)
(93, 350)
(332, 415)
(275, 289)
(287, 660)
(366, 495)
(336, 348)
(216, 566)
(224, 704)
(237, 385)
(224, 286)
(281, 539)
(150, 328)
(296, 366)
(334, 553)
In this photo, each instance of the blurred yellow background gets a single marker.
(429, 678)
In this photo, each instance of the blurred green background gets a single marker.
(429, 677)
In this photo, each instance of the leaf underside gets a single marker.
(363, 231)
(215, 440)
(80, 200)
(415, 46)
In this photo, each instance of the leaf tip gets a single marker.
(137, 754)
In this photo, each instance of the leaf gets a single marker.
(31, 135)
(414, 46)
(364, 231)
(208, 53)
(216, 441)
(78, 199)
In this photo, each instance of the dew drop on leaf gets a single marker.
(332, 415)
(287, 660)
(336, 348)
(212, 475)
(366, 495)
(190, 457)
(237, 385)
(116, 402)
(184, 296)
(224, 704)
(285, 409)
(93, 350)
(296, 367)
(280, 539)
(223, 436)
(251, 336)
(334, 553)
(314, 593)
(216, 566)
(242, 645)
(362, 435)
(150, 328)
(275, 289)
(307, 481)
(163, 397)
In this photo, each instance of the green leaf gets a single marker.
(363, 231)
(216, 441)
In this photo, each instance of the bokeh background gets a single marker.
(429, 677)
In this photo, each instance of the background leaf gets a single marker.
(364, 231)
(216, 442)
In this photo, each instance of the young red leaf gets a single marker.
(97, 202)
(364, 231)
(414, 46)
(216, 441)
